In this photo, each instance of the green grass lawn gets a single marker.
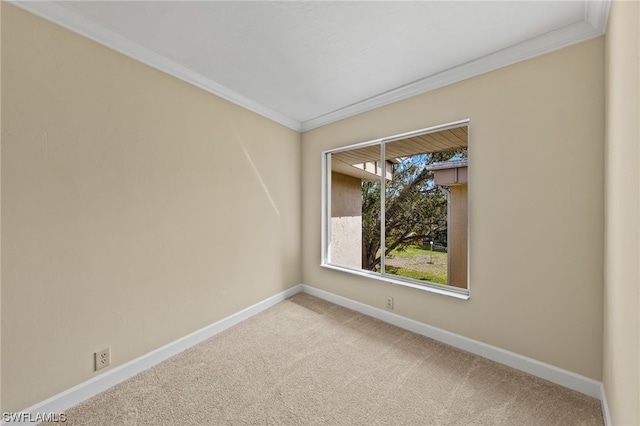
(413, 262)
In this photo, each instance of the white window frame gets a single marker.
(446, 290)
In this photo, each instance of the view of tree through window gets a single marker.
(422, 184)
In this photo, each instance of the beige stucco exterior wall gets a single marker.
(536, 266)
(458, 235)
(346, 220)
(622, 226)
(136, 208)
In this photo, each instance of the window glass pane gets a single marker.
(406, 216)
(351, 172)
(426, 208)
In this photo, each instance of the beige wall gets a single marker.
(0, 207)
(536, 267)
(346, 220)
(136, 208)
(622, 256)
(123, 227)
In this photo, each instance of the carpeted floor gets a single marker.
(306, 361)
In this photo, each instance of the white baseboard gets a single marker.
(540, 369)
(71, 397)
(606, 414)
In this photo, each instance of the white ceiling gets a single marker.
(305, 64)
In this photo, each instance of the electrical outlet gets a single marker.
(390, 303)
(103, 358)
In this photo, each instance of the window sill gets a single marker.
(432, 288)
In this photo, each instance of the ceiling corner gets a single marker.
(597, 14)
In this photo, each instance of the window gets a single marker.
(397, 209)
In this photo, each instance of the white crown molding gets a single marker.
(596, 16)
(596, 12)
(593, 25)
(79, 24)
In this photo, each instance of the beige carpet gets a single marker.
(309, 362)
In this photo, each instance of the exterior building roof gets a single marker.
(451, 164)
